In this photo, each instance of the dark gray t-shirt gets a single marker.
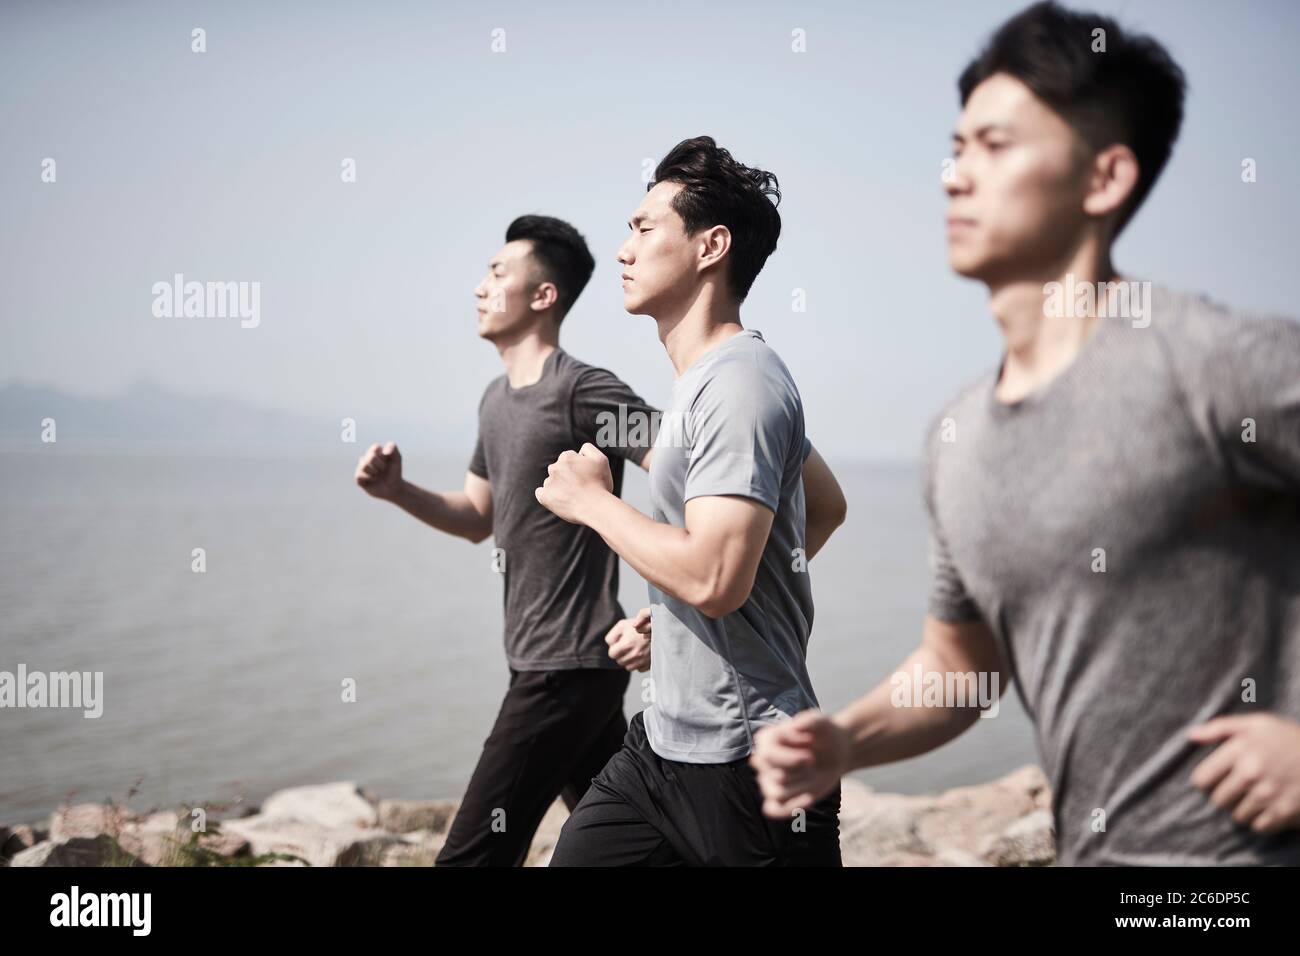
(1138, 561)
(561, 579)
(735, 427)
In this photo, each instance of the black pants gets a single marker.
(643, 810)
(554, 732)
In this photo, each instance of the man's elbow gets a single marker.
(720, 598)
(823, 521)
(837, 512)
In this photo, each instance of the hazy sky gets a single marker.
(225, 165)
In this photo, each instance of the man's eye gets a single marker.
(645, 229)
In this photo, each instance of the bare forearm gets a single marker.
(817, 534)
(882, 732)
(448, 511)
(662, 554)
(824, 506)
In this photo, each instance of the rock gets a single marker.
(406, 816)
(230, 846)
(154, 838)
(87, 820)
(325, 805)
(1029, 841)
(882, 827)
(1006, 822)
(962, 818)
(951, 856)
(903, 859)
(100, 850)
(418, 848)
(317, 845)
(15, 839)
(954, 828)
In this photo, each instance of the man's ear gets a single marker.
(544, 297)
(714, 243)
(1114, 177)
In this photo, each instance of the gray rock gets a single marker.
(325, 805)
(101, 850)
(406, 816)
(1029, 841)
(87, 820)
(15, 839)
(154, 838)
(317, 845)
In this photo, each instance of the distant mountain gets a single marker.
(147, 415)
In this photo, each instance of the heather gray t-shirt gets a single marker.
(561, 579)
(1138, 562)
(735, 427)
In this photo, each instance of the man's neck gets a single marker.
(1039, 345)
(525, 355)
(708, 319)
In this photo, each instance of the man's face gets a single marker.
(506, 291)
(1015, 199)
(659, 259)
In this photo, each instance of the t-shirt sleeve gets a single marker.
(741, 435)
(607, 413)
(1241, 379)
(478, 462)
(949, 599)
(807, 449)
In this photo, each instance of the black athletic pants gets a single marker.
(643, 810)
(554, 732)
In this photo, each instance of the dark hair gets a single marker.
(561, 252)
(718, 191)
(1132, 93)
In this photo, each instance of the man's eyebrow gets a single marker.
(981, 130)
(639, 217)
(494, 263)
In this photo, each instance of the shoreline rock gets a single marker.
(1006, 822)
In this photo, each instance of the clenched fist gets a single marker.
(798, 761)
(379, 471)
(629, 641)
(575, 478)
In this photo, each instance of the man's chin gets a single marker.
(968, 267)
(635, 305)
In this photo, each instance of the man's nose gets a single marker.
(956, 178)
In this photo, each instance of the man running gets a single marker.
(725, 554)
(1115, 510)
(568, 651)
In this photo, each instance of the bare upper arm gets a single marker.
(822, 493)
(479, 492)
(731, 531)
(965, 646)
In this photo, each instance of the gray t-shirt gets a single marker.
(734, 427)
(1138, 562)
(561, 579)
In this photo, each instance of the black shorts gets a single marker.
(643, 810)
(554, 732)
